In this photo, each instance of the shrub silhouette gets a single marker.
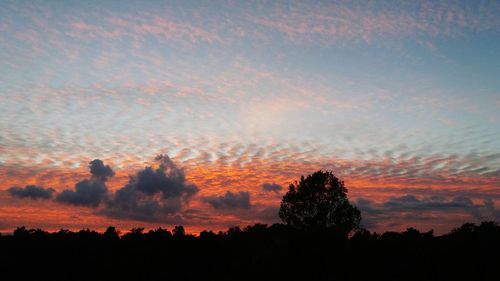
(317, 202)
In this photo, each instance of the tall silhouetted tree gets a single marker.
(319, 202)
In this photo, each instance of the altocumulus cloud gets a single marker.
(31, 191)
(89, 192)
(153, 194)
(229, 201)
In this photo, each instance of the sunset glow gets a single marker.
(399, 99)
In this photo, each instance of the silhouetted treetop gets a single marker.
(178, 231)
(112, 233)
(319, 201)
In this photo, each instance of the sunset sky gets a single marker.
(401, 99)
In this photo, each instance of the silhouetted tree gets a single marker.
(319, 202)
(178, 231)
(207, 235)
(111, 233)
(234, 231)
(21, 232)
(159, 233)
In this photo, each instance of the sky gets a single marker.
(201, 113)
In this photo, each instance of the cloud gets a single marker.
(334, 23)
(400, 210)
(137, 28)
(31, 191)
(100, 171)
(272, 187)
(268, 214)
(153, 194)
(411, 202)
(229, 201)
(89, 192)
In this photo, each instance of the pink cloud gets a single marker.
(334, 23)
(136, 28)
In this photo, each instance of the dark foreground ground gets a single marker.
(259, 252)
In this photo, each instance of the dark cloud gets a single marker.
(268, 214)
(472, 192)
(272, 187)
(89, 192)
(229, 201)
(31, 191)
(260, 213)
(153, 194)
(435, 203)
(412, 208)
(367, 206)
(100, 171)
(150, 195)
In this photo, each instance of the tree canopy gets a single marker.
(319, 201)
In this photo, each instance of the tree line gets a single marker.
(278, 251)
(319, 239)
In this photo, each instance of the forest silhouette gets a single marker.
(320, 239)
